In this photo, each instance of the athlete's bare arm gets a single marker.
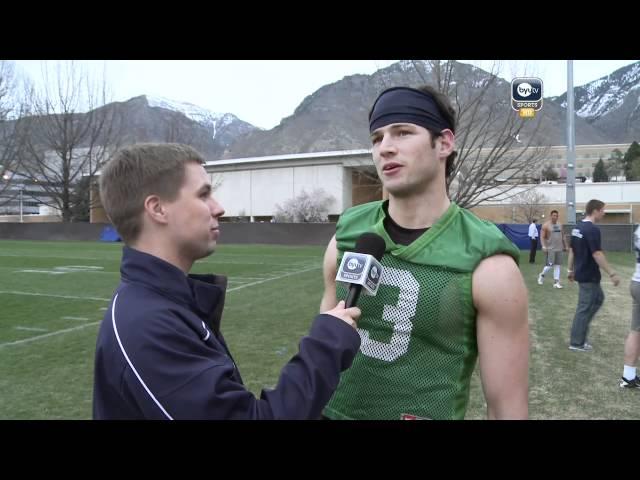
(329, 270)
(500, 297)
(545, 234)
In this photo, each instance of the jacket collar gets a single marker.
(205, 294)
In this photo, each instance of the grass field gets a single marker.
(53, 296)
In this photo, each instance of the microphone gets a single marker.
(362, 268)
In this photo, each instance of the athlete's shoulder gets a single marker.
(486, 236)
(480, 225)
(361, 210)
(355, 221)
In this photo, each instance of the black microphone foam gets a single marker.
(370, 244)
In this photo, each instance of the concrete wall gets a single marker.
(586, 157)
(30, 219)
(608, 192)
(51, 231)
(267, 233)
(257, 192)
(277, 233)
(614, 237)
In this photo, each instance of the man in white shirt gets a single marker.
(533, 235)
(630, 377)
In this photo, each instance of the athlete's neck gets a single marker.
(418, 211)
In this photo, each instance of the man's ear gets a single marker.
(447, 143)
(155, 209)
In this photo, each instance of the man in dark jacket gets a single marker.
(586, 258)
(160, 353)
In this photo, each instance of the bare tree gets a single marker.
(528, 205)
(12, 126)
(491, 150)
(615, 165)
(305, 207)
(71, 135)
(7, 89)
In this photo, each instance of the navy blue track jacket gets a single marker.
(160, 353)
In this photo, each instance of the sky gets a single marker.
(263, 92)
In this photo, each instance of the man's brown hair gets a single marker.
(448, 112)
(593, 205)
(137, 171)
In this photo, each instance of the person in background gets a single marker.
(630, 377)
(553, 244)
(533, 236)
(586, 258)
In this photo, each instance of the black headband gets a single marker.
(407, 105)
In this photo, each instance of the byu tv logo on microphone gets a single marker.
(360, 269)
(354, 265)
(526, 96)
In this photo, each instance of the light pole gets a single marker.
(571, 149)
(21, 191)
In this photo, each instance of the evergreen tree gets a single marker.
(549, 173)
(600, 173)
(632, 156)
(615, 165)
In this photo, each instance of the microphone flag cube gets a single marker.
(360, 269)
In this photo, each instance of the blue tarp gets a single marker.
(109, 234)
(518, 234)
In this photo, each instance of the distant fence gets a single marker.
(615, 238)
(268, 233)
(277, 233)
(51, 231)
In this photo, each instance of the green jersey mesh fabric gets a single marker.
(418, 333)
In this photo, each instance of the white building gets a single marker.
(253, 187)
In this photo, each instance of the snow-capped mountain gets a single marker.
(214, 121)
(611, 103)
(334, 117)
(224, 128)
(154, 119)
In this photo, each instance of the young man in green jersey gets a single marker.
(451, 290)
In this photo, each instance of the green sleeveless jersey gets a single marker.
(418, 333)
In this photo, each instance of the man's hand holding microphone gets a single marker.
(348, 315)
(359, 269)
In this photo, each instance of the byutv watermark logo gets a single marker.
(526, 96)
